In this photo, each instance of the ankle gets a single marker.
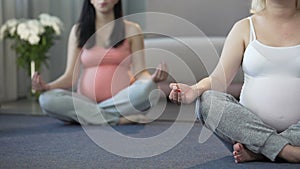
(290, 153)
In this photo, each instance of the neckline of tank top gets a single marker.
(271, 47)
(126, 42)
(275, 47)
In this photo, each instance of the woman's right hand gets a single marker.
(182, 93)
(38, 83)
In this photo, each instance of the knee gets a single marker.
(144, 95)
(47, 99)
(144, 90)
(203, 104)
(145, 86)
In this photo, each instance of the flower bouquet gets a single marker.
(32, 39)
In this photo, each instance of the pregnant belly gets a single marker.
(103, 82)
(275, 101)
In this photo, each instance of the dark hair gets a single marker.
(87, 26)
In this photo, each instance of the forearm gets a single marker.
(63, 82)
(210, 83)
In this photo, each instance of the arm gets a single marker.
(138, 56)
(225, 70)
(66, 80)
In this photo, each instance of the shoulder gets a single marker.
(242, 25)
(134, 35)
(241, 31)
(74, 28)
(73, 31)
(132, 28)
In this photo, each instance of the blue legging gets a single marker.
(73, 107)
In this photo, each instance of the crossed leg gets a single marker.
(252, 139)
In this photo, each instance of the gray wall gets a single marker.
(213, 17)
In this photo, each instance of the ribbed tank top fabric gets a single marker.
(105, 71)
(271, 86)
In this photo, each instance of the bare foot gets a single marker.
(241, 154)
(138, 118)
(290, 154)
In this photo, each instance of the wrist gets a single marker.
(197, 89)
(47, 87)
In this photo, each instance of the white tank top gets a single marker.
(271, 87)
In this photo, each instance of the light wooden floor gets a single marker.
(23, 107)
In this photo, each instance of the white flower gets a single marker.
(12, 31)
(2, 31)
(57, 21)
(45, 19)
(51, 21)
(44, 16)
(35, 27)
(58, 25)
(9, 26)
(34, 39)
(22, 31)
(56, 30)
(12, 23)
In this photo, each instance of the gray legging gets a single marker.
(73, 107)
(232, 122)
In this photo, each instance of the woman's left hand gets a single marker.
(182, 93)
(161, 73)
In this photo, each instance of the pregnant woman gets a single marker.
(107, 91)
(265, 123)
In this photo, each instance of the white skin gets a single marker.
(278, 25)
(104, 15)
